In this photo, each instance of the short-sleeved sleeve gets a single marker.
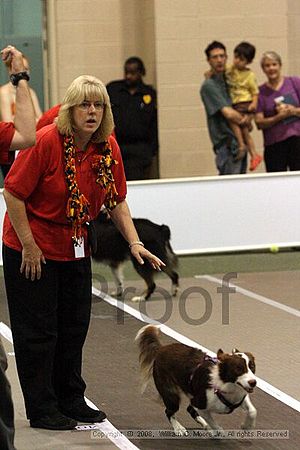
(253, 86)
(213, 97)
(25, 173)
(7, 131)
(296, 85)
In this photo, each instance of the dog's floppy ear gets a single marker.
(220, 354)
(252, 364)
(235, 350)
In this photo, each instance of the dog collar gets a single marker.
(230, 406)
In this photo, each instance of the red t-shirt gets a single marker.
(48, 117)
(37, 177)
(7, 131)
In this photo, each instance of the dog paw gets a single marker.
(174, 291)
(180, 431)
(117, 293)
(138, 299)
(202, 422)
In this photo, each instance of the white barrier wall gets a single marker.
(215, 214)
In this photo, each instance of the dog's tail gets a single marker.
(148, 342)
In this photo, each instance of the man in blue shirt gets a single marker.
(219, 112)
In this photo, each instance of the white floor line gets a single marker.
(113, 433)
(260, 298)
(263, 385)
(106, 426)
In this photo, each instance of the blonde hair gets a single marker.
(83, 88)
(270, 55)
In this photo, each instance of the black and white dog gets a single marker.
(213, 385)
(113, 250)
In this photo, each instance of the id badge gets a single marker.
(79, 248)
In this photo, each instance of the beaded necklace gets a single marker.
(78, 206)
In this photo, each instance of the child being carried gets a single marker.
(243, 91)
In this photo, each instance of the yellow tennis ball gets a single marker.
(274, 249)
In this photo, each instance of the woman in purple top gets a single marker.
(278, 116)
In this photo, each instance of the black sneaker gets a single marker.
(56, 421)
(80, 411)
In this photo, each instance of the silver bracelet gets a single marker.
(136, 243)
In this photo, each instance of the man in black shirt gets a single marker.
(135, 115)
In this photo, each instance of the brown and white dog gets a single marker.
(213, 385)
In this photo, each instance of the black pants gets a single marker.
(283, 156)
(7, 429)
(49, 320)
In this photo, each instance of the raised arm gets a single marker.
(25, 117)
(5, 104)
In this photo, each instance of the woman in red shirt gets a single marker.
(52, 191)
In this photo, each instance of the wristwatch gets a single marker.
(16, 77)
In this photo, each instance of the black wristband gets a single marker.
(16, 77)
